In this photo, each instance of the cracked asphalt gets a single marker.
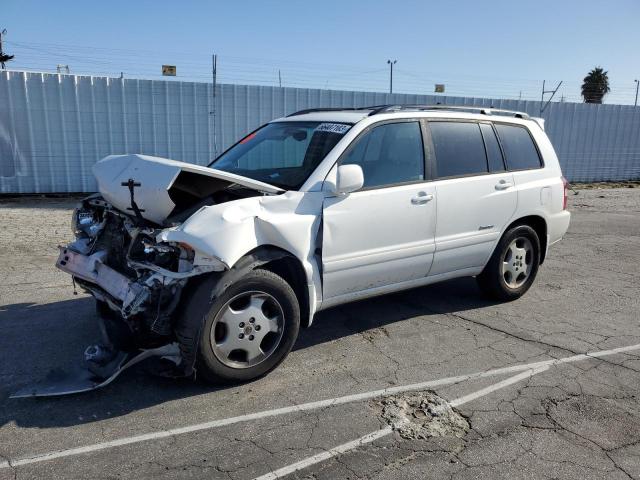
(575, 420)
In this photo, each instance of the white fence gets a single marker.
(53, 128)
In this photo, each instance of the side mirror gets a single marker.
(349, 178)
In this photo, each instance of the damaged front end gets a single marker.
(144, 244)
(117, 258)
(137, 282)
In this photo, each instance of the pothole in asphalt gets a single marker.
(421, 415)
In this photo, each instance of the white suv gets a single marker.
(322, 207)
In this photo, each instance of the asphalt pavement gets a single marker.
(367, 391)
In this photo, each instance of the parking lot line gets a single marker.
(497, 386)
(370, 437)
(308, 406)
(321, 457)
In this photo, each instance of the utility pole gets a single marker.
(637, 85)
(3, 57)
(552, 92)
(279, 79)
(2, 32)
(214, 73)
(391, 64)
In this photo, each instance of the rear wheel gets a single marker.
(249, 329)
(513, 266)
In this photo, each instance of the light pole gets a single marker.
(391, 64)
(637, 85)
(3, 32)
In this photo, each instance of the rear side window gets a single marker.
(494, 154)
(389, 154)
(459, 148)
(519, 149)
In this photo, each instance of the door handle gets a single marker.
(503, 185)
(422, 198)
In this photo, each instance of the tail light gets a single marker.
(565, 184)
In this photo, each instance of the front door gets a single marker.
(383, 234)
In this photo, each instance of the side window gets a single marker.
(389, 154)
(494, 155)
(519, 149)
(459, 148)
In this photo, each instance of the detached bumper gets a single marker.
(92, 269)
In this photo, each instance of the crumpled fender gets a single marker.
(229, 231)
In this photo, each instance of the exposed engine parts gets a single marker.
(118, 260)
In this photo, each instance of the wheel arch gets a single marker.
(539, 225)
(286, 265)
(201, 289)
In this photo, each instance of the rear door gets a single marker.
(476, 196)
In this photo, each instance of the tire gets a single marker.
(513, 266)
(259, 312)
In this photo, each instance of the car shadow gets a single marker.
(461, 294)
(38, 338)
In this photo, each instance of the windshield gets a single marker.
(283, 154)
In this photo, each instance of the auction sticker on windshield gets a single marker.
(339, 128)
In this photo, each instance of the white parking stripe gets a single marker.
(370, 437)
(321, 457)
(497, 386)
(306, 407)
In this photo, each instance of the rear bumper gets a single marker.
(557, 226)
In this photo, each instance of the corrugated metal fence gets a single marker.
(53, 128)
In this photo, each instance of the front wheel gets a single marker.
(249, 329)
(513, 266)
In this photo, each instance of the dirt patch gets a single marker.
(421, 415)
(601, 185)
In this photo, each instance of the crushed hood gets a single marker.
(162, 184)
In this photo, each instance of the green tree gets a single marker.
(595, 86)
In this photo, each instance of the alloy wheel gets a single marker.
(517, 262)
(247, 329)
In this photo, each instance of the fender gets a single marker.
(230, 231)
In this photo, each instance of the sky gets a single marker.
(488, 48)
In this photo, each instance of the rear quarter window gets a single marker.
(519, 149)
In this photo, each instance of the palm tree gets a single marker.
(595, 86)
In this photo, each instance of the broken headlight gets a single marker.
(145, 249)
(86, 222)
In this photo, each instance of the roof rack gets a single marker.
(422, 108)
(377, 109)
(335, 109)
